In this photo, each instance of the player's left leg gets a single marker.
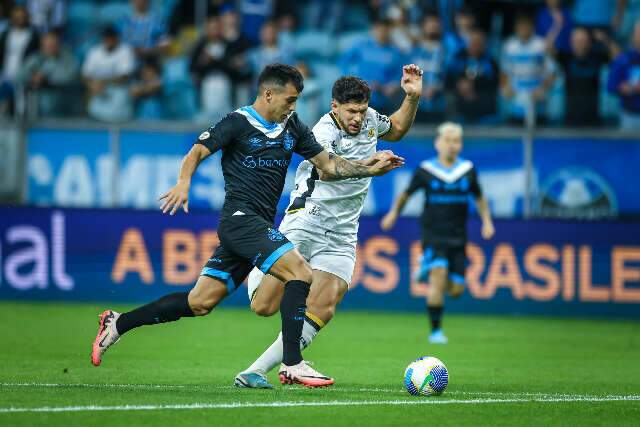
(327, 290)
(457, 264)
(435, 303)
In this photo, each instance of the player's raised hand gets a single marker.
(411, 81)
(174, 198)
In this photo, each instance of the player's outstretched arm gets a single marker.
(335, 168)
(402, 120)
(389, 220)
(485, 214)
(179, 194)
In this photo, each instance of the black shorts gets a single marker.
(245, 241)
(452, 257)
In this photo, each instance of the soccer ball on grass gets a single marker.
(426, 376)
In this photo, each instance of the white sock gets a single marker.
(272, 356)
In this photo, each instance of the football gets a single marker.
(426, 376)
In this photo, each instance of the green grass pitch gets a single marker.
(503, 371)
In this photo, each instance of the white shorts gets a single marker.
(327, 251)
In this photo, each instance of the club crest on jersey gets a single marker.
(288, 141)
(371, 133)
(275, 235)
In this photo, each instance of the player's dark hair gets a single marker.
(351, 89)
(280, 75)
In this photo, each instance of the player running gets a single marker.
(322, 217)
(257, 142)
(447, 181)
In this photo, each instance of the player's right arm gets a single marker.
(179, 194)
(332, 167)
(215, 138)
(389, 220)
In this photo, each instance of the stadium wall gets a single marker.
(578, 175)
(122, 255)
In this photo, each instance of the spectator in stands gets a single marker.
(269, 51)
(447, 11)
(210, 67)
(428, 54)
(401, 36)
(16, 43)
(582, 66)
(144, 31)
(184, 13)
(50, 73)
(255, 14)
(528, 72)
(5, 11)
(47, 15)
(378, 62)
(308, 105)
(237, 47)
(474, 77)
(146, 91)
(107, 70)
(624, 80)
(554, 24)
(605, 15)
(631, 15)
(456, 40)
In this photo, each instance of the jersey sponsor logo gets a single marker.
(252, 162)
(215, 260)
(204, 135)
(577, 192)
(249, 162)
(275, 235)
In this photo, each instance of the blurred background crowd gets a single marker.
(573, 63)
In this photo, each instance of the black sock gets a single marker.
(292, 311)
(167, 309)
(435, 313)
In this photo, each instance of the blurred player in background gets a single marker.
(447, 181)
(322, 217)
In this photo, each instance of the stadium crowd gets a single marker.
(485, 62)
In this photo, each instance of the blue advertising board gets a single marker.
(536, 267)
(573, 177)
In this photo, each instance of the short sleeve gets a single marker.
(219, 136)
(474, 184)
(325, 135)
(416, 182)
(306, 144)
(383, 124)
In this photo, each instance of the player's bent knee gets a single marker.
(264, 309)
(204, 298)
(456, 291)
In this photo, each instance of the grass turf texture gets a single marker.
(503, 371)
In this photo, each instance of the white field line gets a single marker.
(200, 406)
(218, 388)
